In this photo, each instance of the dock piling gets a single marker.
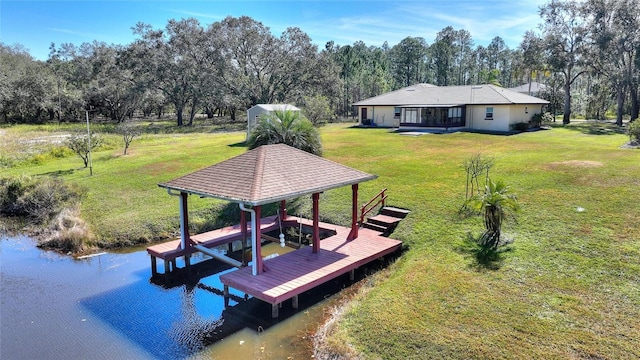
(154, 266)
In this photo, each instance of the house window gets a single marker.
(488, 115)
(455, 115)
(396, 113)
(410, 116)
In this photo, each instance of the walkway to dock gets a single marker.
(291, 274)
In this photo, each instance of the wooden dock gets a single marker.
(288, 275)
(255, 179)
(291, 274)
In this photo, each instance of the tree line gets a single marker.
(587, 53)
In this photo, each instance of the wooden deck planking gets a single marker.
(291, 281)
(293, 273)
(230, 233)
(295, 221)
(171, 249)
(167, 250)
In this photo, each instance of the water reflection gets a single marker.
(105, 307)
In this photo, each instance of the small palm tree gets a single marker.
(286, 127)
(495, 204)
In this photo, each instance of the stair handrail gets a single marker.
(364, 210)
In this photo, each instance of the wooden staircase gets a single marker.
(386, 220)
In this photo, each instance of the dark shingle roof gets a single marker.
(268, 174)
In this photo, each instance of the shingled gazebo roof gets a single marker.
(266, 175)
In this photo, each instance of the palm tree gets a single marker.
(495, 204)
(286, 127)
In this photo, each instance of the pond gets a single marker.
(104, 307)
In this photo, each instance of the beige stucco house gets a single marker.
(472, 107)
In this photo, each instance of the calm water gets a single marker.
(105, 307)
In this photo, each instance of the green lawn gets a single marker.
(567, 288)
(124, 206)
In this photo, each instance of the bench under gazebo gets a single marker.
(267, 175)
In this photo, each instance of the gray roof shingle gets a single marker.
(442, 96)
(266, 175)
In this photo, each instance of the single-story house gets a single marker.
(471, 107)
(257, 110)
(533, 88)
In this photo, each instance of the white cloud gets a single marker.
(87, 35)
(198, 14)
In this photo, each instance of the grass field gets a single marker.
(568, 287)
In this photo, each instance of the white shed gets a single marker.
(256, 111)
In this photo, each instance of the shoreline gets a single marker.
(323, 345)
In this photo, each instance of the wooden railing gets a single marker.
(366, 208)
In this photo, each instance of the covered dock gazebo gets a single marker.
(266, 175)
(271, 174)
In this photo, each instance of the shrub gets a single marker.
(67, 241)
(38, 159)
(476, 167)
(60, 152)
(68, 233)
(54, 153)
(634, 130)
(539, 119)
(11, 189)
(520, 126)
(39, 199)
(6, 161)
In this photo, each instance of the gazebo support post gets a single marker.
(154, 266)
(185, 237)
(283, 210)
(258, 245)
(244, 231)
(316, 222)
(353, 234)
(184, 221)
(256, 266)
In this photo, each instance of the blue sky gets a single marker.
(36, 24)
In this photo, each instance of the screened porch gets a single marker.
(437, 117)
